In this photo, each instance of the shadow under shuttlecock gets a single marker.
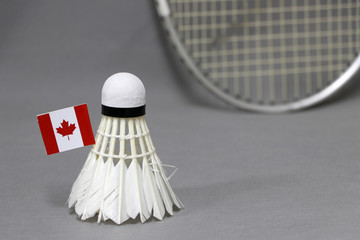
(93, 220)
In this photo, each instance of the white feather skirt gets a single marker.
(123, 177)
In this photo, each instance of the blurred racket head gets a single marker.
(266, 55)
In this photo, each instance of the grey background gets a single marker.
(241, 175)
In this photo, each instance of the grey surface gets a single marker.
(241, 175)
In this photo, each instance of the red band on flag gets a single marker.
(47, 133)
(82, 116)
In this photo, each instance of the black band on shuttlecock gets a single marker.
(123, 112)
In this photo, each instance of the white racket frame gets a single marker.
(164, 12)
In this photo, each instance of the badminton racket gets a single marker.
(266, 55)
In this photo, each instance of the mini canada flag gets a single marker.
(66, 129)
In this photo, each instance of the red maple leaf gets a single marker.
(66, 129)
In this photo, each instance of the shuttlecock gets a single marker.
(123, 176)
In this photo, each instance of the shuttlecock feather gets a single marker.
(123, 176)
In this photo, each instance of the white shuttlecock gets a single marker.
(123, 176)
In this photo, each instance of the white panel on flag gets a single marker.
(71, 141)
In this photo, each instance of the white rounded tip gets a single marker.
(123, 90)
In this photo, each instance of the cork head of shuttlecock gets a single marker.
(123, 95)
